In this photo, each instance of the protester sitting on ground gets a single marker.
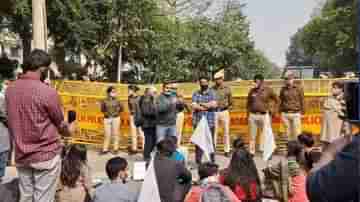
(335, 177)
(307, 140)
(170, 174)
(286, 179)
(177, 155)
(209, 188)
(75, 177)
(9, 191)
(297, 183)
(117, 190)
(238, 144)
(242, 175)
(310, 159)
(310, 153)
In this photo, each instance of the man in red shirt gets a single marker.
(35, 121)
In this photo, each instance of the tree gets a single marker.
(222, 42)
(168, 47)
(6, 39)
(92, 27)
(331, 36)
(19, 22)
(6, 6)
(295, 56)
(72, 26)
(7, 67)
(186, 8)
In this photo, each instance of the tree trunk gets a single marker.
(39, 24)
(112, 71)
(26, 43)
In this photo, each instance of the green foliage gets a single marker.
(296, 56)
(7, 68)
(71, 23)
(169, 48)
(331, 37)
(202, 46)
(19, 22)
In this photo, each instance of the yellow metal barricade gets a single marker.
(85, 98)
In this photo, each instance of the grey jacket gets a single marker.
(114, 192)
(4, 132)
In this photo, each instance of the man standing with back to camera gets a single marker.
(35, 119)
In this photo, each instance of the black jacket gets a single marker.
(339, 181)
(146, 112)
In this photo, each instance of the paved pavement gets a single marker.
(97, 163)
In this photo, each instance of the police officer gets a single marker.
(224, 104)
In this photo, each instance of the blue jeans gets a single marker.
(4, 157)
(163, 131)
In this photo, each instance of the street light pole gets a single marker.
(39, 21)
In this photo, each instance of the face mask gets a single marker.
(170, 93)
(112, 94)
(173, 93)
(204, 88)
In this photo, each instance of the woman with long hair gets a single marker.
(242, 175)
(75, 180)
(297, 173)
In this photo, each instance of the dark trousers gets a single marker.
(150, 142)
(199, 153)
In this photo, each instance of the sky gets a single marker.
(273, 22)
